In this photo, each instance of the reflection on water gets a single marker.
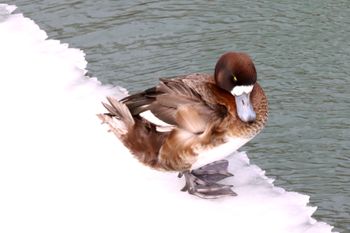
(300, 49)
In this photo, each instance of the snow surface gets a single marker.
(60, 171)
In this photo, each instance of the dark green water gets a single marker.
(301, 51)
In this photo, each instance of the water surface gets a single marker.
(301, 51)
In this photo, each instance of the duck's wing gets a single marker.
(187, 106)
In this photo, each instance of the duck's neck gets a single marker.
(260, 105)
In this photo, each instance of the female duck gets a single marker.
(200, 120)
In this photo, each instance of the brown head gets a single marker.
(235, 72)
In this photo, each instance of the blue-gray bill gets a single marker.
(245, 109)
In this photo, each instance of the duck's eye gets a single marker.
(234, 78)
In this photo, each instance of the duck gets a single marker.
(190, 123)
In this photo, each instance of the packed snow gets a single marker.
(61, 171)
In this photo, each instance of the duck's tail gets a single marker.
(138, 135)
(118, 118)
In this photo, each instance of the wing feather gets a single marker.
(179, 102)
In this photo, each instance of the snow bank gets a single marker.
(60, 171)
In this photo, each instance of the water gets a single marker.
(300, 49)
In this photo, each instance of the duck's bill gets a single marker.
(245, 110)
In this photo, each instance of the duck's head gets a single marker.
(235, 72)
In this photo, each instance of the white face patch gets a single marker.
(239, 90)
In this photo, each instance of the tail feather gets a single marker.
(138, 135)
(120, 110)
(118, 117)
(111, 110)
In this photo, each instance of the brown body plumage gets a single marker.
(201, 112)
